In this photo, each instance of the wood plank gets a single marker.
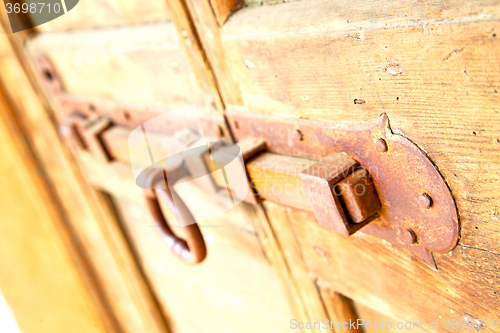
(118, 277)
(143, 65)
(309, 296)
(320, 16)
(37, 255)
(378, 275)
(107, 13)
(402, 70)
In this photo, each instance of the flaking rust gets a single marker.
(402, 174)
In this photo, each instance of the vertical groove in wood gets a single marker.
(273, 252)
(192, 46)
(209, 34)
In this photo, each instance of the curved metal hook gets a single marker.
(191, 250)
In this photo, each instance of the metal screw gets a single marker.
(321, 252)
(381, 145)
(413, 236)
(425, 200)
(298, 135)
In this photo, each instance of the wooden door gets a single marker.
(431, 68)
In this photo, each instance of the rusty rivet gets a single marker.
(298, 135)
(126, 115)
(381, 145)
(425, 200)
(413, 236)
(48, 75)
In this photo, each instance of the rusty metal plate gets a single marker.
(131, 115)
(120, 113)
(402, 174)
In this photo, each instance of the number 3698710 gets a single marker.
(32, 8)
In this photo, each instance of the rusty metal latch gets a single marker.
(366, 178)
(355, 177)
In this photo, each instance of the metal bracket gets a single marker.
(417, 208)
(407, 200)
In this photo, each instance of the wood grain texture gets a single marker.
(144, 65)
(40, 281)
(463, 84)
(309, 297)
(387, 278)
(117, 278)
(100, 14)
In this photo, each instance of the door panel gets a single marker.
(123, 64)
(387, 278)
